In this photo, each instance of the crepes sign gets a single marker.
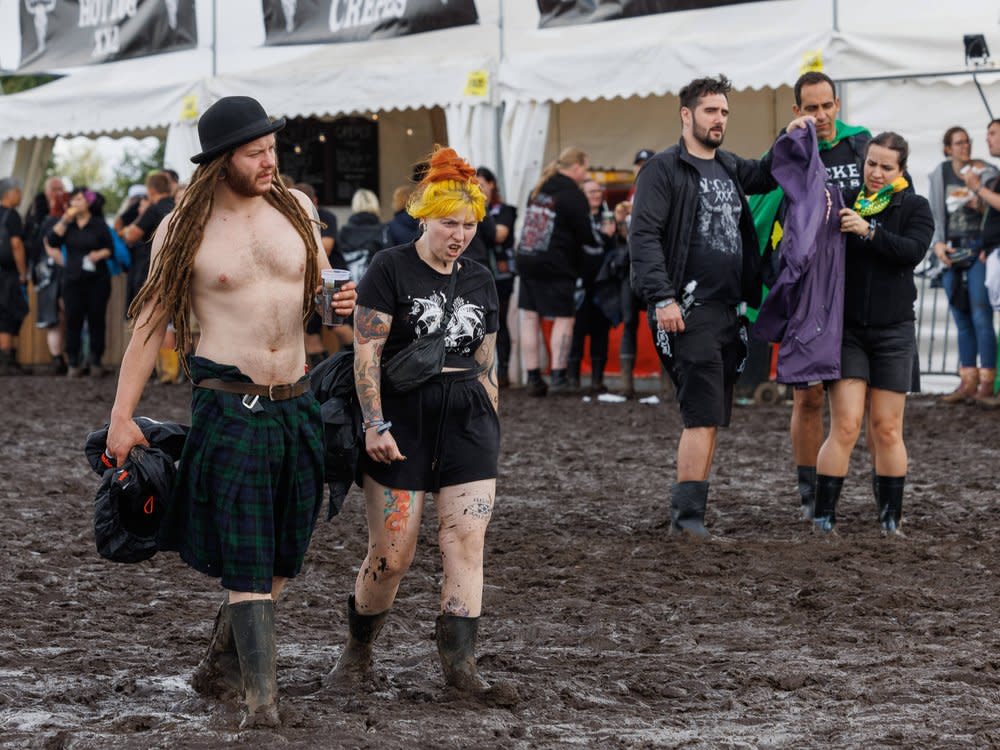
(568, 12)
(324, 21)
(67, 33)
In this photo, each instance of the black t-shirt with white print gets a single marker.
(402, 285)
(715, 256)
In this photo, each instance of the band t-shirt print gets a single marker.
(400, 284)
(715, 255)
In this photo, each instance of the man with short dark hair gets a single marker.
(842, 151)
(694, 260)
(139, 235)
(13, 275)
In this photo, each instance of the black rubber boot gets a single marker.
(890, 503)
(218, 673)
(253, 632)
(355, 663)
(628, 378)
(827, 494)
(807, 491)
(687, 508)
(560, 383)
(536, 387)
(456, 642)
(878, 504)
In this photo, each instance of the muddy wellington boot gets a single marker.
(253, 632)
(218, 674)
(687, 508)
(875, 491)
(355, 663)
(827, 494)
(985, 390)
(890, 506)
(536, 386)
(560, 385)
(807, 491)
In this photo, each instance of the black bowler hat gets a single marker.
(231, 122)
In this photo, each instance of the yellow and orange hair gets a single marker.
(450, 185)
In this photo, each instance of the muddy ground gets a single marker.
(617, 634)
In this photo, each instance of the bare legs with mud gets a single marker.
(394, 515)
(560, 343)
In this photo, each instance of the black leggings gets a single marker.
(86, 299)
(590, 321)
(504, 290)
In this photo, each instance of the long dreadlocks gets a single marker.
(168, 285)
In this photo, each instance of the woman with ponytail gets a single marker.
(442, 437)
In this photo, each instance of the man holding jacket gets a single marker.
(694, 259)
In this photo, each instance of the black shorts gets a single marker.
(704, 362)
(550, 298)
(13, 305)
(883, 357)
(448, 431)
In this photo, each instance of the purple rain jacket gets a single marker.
(804, 310)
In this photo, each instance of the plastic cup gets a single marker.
(333, 280)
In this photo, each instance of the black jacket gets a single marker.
(663, 216)
(556, 227)
(879, 288)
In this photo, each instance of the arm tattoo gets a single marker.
(486, 358)
(371, 328)
(370, 324)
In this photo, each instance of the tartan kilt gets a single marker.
(249, 484)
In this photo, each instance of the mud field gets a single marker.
(616, 634)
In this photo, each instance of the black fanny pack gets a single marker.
(424, 358)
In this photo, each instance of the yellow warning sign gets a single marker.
(478, 83)
(812, 62)
(189, 107)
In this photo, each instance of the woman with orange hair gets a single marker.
(443, 437)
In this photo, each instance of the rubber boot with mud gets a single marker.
(807, 491)
(355, 663)
(987, 376)
(536, 386)
(967, 387)
(687, 508)
(218, 673)
(456, 642)
(560, 385)
(890, 505)
(827, 494)
(628, 377)
(253, 632)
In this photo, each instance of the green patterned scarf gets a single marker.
(869, 205)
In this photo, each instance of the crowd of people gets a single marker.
(820, 236)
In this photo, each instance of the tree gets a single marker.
(82, 163)
(135, 166)
(17, 84)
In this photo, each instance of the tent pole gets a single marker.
(215, 38)
(975, 80)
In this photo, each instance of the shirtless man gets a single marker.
(241, 253)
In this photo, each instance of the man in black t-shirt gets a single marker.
(139, 235)
(694, 257)
(13, 275)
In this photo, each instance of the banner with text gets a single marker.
(568, 12)
(323, 21)
(67, 33)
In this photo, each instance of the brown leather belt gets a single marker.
(281, 392)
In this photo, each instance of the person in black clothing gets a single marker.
(87, 282)
(549, 259)
(442, 437)
(888, 230)
(501, 263)
(590, 321)
(694, 259)
(47, 269)
(13, 275)
(139, 235)
(402, 228)
(363, 235)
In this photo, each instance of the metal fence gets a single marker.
(937, 339)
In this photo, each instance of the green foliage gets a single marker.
(17, 84)
(135, 166)
(82, 163)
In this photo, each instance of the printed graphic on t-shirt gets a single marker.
(844, 175)
(467, 323)
(719, 215)
(539, 223)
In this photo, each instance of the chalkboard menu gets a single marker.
(355, 157)
(336, 157)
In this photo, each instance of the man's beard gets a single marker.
(243, 184)
(705, 138)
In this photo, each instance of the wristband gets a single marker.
(665, 303)
(871, 229)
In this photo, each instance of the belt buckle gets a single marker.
(270, 392)
(253, 402)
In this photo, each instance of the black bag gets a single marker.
(423, 358)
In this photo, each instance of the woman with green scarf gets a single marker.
(887, 232)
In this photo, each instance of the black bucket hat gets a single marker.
(231, 122)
